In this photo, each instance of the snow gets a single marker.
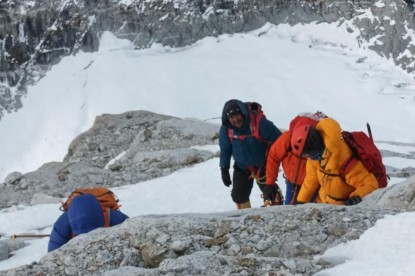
(396, 148)
(287, 69)
(289, 74)
(385, 249)
(398, 162)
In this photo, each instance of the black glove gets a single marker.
(273, 194)
(353, 200)
(226, 177)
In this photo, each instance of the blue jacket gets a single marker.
(84, 215)
(247, 152)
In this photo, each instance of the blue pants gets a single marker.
(289, 193)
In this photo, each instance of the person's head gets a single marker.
(306, 141)
(234, 114)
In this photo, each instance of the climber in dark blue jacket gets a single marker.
(246, 135)
(84, 215)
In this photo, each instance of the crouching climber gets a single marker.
(84, 214)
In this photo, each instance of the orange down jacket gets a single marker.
(280, 152)
(293, 165)
(324, 174)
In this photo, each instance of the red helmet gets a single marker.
(299, 138)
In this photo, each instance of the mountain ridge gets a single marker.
(37, 35)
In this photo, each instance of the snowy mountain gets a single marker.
(36, 35)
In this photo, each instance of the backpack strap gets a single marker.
(346, 166)
(255, 115)
(107, 216)
(65, 205)
(337, 199)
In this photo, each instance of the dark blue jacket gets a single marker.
(250, 151)
(84, 215)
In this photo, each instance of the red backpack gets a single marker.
(365, 150)
(255, 115)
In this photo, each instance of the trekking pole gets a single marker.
(15, 236)
(369, 130)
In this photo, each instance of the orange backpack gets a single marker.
(106, 198)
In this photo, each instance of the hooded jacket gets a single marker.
(293, 165)
(325, 173)
(248, 152)
(84, 215)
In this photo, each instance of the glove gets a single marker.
(269, 193)
(273, 194)
(226, 177)
(353, 200)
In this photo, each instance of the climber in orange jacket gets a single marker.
(293, 165)
(326, 152)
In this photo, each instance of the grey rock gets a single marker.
(134, 244)
(40, 198)
(13, 177)
(178, 247)
(400, 196)
(120, 159)
(153, 254)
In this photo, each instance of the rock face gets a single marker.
(281, 240)
(36, 34)
(278, 240)
(398, 197)
(118, 150)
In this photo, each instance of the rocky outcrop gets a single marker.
(35, 35)
(118, 150)
(398, 197)
(276, 240)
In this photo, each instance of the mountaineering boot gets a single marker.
(244, 205)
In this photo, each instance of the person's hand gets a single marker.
(272, 194)
(269, 193)
(353, 200)
(226, 177)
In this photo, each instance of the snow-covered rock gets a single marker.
(37, 34)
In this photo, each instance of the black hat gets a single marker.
(232, 108)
